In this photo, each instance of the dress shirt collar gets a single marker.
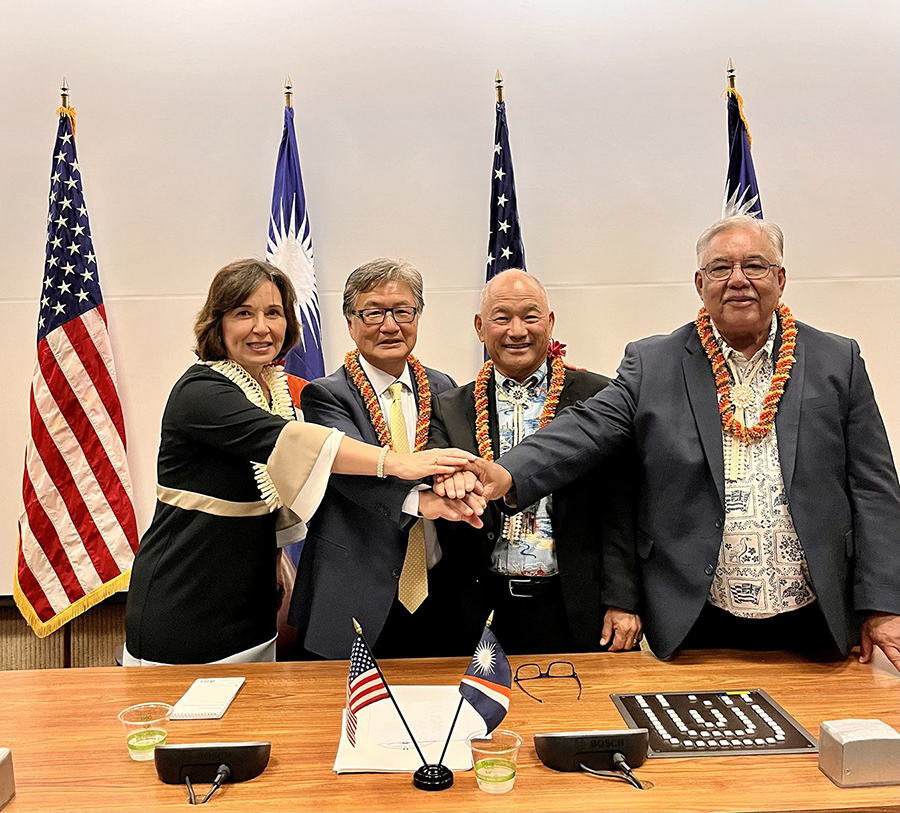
(534, 380)
(380, 380)
(729, 353)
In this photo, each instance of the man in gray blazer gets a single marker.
(354, 557)
(769, 509)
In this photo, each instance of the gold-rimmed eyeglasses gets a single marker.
(557, 669)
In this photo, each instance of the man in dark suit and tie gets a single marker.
(769, 509)
(561, 574)
(371, 552)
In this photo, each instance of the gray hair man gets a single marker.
(769, 503)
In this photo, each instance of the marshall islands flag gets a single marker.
(487, 681)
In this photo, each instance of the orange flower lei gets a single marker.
(358, 376)
(776, 389)
(482, 433)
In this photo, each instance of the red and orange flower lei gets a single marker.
(358, 376)
(776, 389)
(482, 432)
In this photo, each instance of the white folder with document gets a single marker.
(383, 744)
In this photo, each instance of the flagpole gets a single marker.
(64, 93)
(498, 86)
(288, 92)
(359, 632)
(729, 72)
(487, 623)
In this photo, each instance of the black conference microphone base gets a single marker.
(433, 777)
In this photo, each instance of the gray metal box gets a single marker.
(853, 753)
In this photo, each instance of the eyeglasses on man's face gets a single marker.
(752, 268)
(376, 316)
(557, 669)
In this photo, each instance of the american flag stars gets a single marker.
(70, 252)
(505, 248)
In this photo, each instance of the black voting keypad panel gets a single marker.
(745, 721)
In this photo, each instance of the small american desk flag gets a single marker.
(77, 528)
(364, 685)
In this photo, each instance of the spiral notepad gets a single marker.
(207, 698)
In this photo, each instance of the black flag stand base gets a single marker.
(433, 777)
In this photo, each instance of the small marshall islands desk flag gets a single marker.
(486, 684)
(77, 529)
(741, 191)
(505, 248)
(290, 248)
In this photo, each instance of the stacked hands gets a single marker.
(463, 485)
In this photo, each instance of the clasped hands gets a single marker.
(463, 484)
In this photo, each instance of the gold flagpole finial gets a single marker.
(729, 72)
(288, 94)
(356, 626)
(498, 86)
(64, 93)
(490, 619)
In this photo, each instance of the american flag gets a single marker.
(505, 248)
(487, 681)
(290, 248)
(77, 528)
(364, 685)
(741, 191)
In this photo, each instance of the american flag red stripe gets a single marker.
(364, 685)
(77, 527)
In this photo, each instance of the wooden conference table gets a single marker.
(69, 753)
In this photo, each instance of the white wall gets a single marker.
(618, 133)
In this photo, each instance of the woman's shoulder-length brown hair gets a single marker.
(231, 287)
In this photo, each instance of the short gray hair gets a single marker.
(489, 285)
(767, 227)
(375, 272)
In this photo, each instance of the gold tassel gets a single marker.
(70, 112)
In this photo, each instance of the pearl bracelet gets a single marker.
(380, 470)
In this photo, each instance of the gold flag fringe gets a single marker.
(740, 101)
(44, 628)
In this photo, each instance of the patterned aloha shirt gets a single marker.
(525, 546)
(762, 568)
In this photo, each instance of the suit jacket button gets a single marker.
(718, 523)
(396, 572)
(491, 535)
(709, 570)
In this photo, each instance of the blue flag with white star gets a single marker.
(741, 191)
(486, 683)
(290, 248)
(505, 249)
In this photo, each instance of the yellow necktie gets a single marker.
(413, 587)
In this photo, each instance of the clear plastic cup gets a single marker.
(146, 726)
(494, 756)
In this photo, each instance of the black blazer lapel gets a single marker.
(787, 420)
(493, 419)
(701, 390)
